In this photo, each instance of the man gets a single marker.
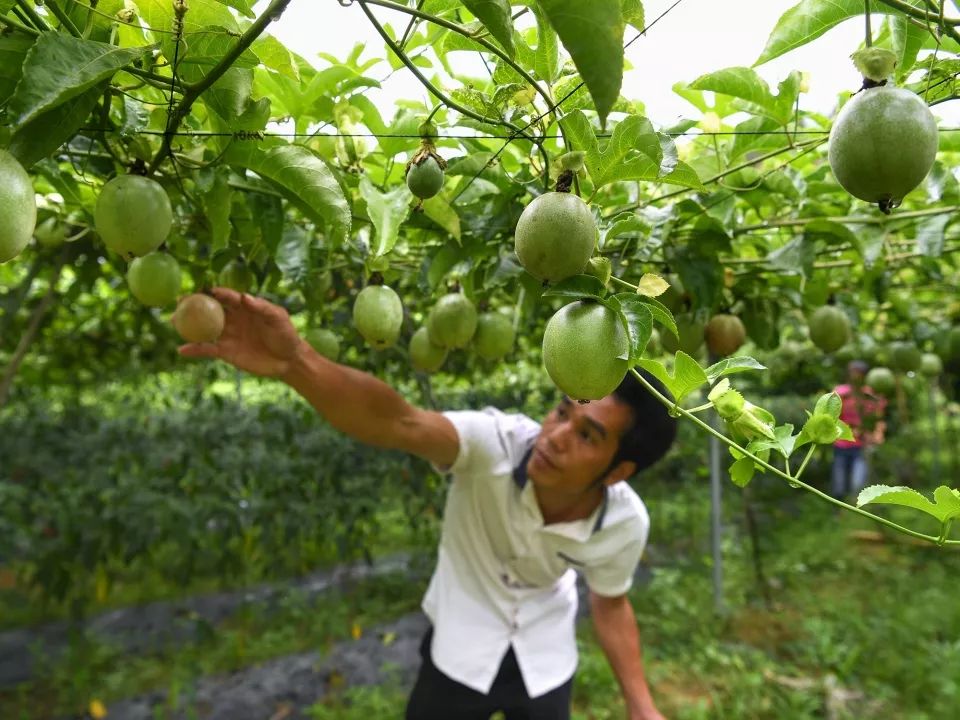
(863, 411)
(528, 506)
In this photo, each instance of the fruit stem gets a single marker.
(376, 278)
(868, 40)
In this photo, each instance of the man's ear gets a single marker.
(623, 470)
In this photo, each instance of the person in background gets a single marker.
(863, 411)
(530, 505)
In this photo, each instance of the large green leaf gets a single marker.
(546, 58)
(387, 211)
(946, 505)
(302, 177)
(638, 319)
(439, 209)
(13, 51)
(741, 82)
(930, 235)
(806, 21)
(495, 14)
(592, 32)
(907, 39)
(60, 67)
(48, 131)
(229, 97)
(620, 159)
(196, 58)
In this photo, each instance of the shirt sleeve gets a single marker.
(490, 442)
(613, 576)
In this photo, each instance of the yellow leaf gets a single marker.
(356, 632)
(652, 285)
(97, 710)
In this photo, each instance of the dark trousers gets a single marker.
(437, 697)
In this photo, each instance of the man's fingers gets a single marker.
(227, 297)
(200, 350)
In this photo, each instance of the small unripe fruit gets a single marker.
(155, 279)
(199, 318)
(133, 215)
(378, 315)
(236, 275)
(18, 207)
(931, 365)
(555, 236)
(494, 337)
(452, 321)
(324, 342)
(51, 233)
(425, 179)
(724, 334)
(829, 328)
(424, 355)
(881, 380)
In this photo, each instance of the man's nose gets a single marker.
(557, 437)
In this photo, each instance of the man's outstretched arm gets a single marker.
(259, 338)
(616, 629)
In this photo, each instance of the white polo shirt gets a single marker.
(503, 577)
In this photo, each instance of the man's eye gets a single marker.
(585, 434)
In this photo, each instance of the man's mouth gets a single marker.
(545, 459)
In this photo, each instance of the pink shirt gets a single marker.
(857, 408)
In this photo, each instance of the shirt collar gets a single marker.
(520, 478)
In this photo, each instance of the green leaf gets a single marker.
(13, 51)
(946, 505)
(807, 21)
(203, 51)
(439, 209)
(42, 136)
(495, 15)
(229, 97)
(661, 314)
(742, 471)
(293, 252)
(60, 67)
(930, 235)
(546, 58)
(829, 404)
(592, 32)
(633, 13)
(639, 321)
(576, 287)
(387, 211)
(687, 375)
(217, 199)
(740, 82)
(276, 57)
(620, 158)
(302, 177)
(731, 366)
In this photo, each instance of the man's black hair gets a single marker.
(652, 430)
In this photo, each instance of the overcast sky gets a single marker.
(696, 37)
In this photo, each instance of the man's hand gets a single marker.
(258, 336)
(648, 713)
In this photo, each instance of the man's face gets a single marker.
(577, 443)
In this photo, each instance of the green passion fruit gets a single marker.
(931, 365)
(452, 321)
(198, 318)
(581, 345)
(50, 233)
(905, 357)
(324, 342)
(133, 215)
(378, 315)
(555, 236)
(425, 356)
(494, 337)
(691, 336)
(425, 178)
(881, 380)
(236, 275)
(18, 207)
(882, 144)
(155, 279)
(829, 328)
(724, 334)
